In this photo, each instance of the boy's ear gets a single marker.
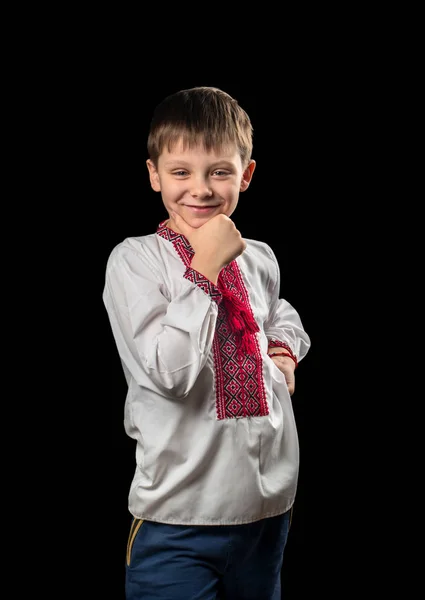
(247, 175)
(153, 176)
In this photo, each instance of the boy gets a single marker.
(208, 351)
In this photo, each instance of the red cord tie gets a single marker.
(241, 321)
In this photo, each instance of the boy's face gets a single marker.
(199, 185)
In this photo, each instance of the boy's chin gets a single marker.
(197, 222)
(194, 221)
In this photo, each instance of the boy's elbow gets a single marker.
(176, 386)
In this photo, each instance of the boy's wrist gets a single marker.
(284, 354)
(208, 270)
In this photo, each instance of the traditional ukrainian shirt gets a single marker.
(216, 438)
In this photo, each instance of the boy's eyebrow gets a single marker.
(175, 162)
(223, 163)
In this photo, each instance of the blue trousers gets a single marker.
(228, 562)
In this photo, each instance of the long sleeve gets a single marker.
(163, 341)
(283, 326)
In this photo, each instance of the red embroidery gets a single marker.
(205, 284)
(240, 390)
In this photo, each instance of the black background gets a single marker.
(332, 97)
(97, 193)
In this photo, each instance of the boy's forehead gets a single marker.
(182, 150)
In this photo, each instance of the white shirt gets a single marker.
(216, 439)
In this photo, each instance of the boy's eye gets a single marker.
(220, 173)
(180, 173)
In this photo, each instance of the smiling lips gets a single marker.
(200, 209)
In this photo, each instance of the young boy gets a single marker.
(209, 351)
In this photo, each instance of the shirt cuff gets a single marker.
(205, 284)
(278, 344)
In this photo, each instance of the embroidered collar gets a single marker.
(168, 234)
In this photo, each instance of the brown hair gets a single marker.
(200, 115)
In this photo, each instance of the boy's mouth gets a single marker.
(201, 209)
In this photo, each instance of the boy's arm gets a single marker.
(164, 343)
(283, 327)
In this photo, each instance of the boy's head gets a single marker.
(203, 116)
(200, 146)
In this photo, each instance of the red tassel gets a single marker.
(241, 321)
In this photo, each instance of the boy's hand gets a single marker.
(287, 366)
(216, 244)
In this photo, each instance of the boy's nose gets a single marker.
(201, 190)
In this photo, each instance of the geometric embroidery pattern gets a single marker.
(205, 284)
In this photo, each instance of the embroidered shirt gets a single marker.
(216, 439)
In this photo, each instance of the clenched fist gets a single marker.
(216, 244)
